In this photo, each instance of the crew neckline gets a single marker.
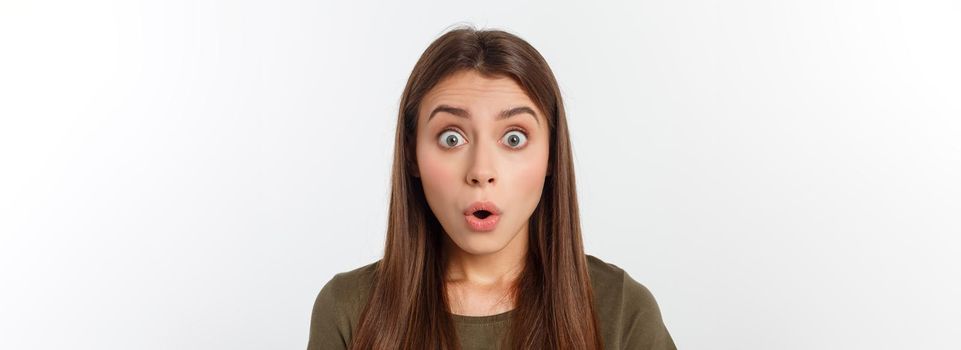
(483, 319)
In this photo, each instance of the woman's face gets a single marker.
(479, 140)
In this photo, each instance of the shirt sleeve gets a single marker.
(643, 326)
(329, 324)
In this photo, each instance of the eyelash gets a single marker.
(513, 128)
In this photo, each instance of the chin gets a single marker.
(475, 243)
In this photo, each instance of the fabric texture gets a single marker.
(627, 312)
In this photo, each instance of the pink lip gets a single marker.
(485, 224)
(488, 206)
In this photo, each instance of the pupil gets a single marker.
(451, 140)
(513, 140)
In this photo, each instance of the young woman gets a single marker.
(483, 238)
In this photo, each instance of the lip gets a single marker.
(485, 224)
(482, 205)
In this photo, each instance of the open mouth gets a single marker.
(482, 214)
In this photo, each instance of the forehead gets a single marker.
(470, 89)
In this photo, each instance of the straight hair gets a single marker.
(407, 307)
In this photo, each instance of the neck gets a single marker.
(500, 267)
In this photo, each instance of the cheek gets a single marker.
(438, 175)
(529, 176)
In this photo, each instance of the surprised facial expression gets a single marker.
(482, 152)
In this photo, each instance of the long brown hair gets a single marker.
(407, 307)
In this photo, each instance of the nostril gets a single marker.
(477, 180)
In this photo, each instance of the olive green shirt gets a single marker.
(628, 315)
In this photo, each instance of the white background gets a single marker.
(188, 175)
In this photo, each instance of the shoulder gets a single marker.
(612, 283)
(338, 306)
(347, 287)
(627, 311)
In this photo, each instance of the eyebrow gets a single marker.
(463, 113)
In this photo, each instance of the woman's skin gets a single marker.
(481, 166)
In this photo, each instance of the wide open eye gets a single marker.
(515, 139)
(450, 139)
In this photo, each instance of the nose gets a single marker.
(482, 170)
(476, 178)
